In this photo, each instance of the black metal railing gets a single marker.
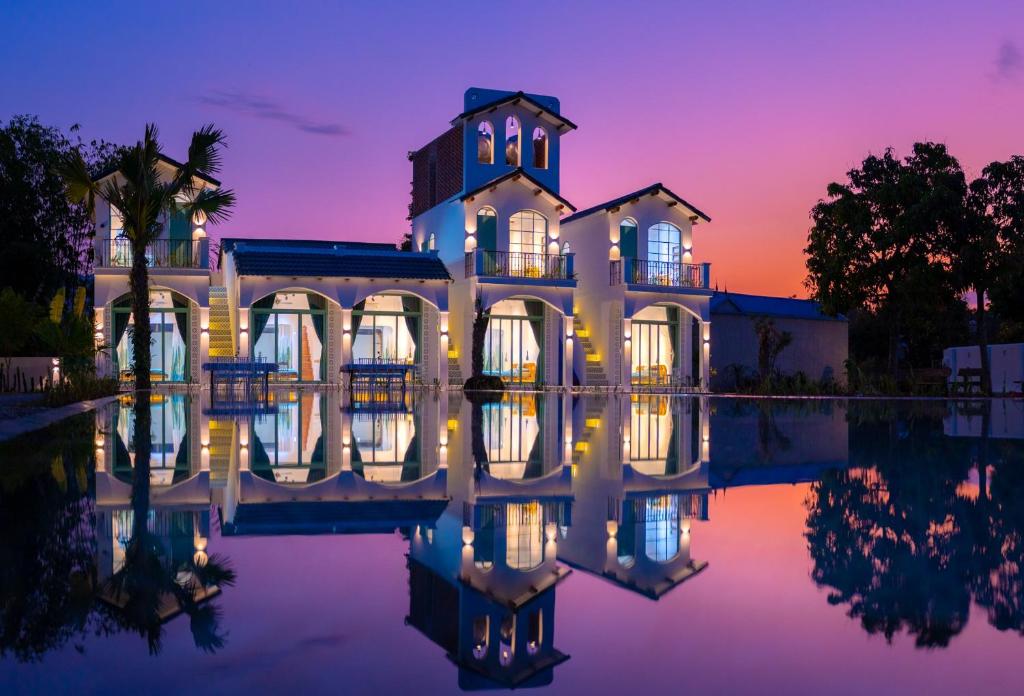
(517, 264)
(665, 273)
(160, 253)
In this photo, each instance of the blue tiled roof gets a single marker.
(763, 305)
(311, 258)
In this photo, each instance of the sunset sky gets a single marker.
(747, 109)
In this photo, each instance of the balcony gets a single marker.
(161, 253)
(516, 264)
(634, 271)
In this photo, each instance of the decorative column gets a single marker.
(243, 332)
(346, 345)
(625, 373)
(442, 351)
(705, 356)
(686, 341)
(204, 344)
(567, 362)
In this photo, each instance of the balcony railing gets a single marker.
(160, 253)
(665, 273)
(517, 264)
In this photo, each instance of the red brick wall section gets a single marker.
(436, 171)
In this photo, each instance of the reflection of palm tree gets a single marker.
(150, 587)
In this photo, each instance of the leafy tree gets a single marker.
(144, 198)
(20, 318)
(874, 240)
(980, 248)
(47, 239)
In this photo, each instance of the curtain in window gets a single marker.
(120, 328)
(535, 461)
(535, 308)
(318, 329)
(673, 331)
(357, 319)
(260, 319)
(672, 457)
(411, 305)
(410, 470)
(181, 469)
(181, 318)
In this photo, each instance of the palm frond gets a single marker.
(215, 204)
(80, 186)
(204, 158)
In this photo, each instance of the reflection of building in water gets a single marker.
(172, 453)
(178, 512)
(330, 468)
(967, 419)
(641, 485)
(482, 583)
(757, 443)
(288, 445)
(520, 435)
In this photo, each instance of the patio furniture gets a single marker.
(967, 381)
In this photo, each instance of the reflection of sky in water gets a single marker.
(785, 479)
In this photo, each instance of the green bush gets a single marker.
(81, 389)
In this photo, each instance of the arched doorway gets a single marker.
(387, 328)
(289, 329)
(514, 342)
(169, 326)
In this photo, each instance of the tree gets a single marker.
(873, 242)
(145, 198)
(984, 248)
(47, 238)
(20, 318)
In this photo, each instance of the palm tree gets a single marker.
(145, 198)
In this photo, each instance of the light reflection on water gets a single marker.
(655, 521)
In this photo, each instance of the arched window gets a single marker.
(565, 248)
(627, 238)
(540, 148)
(512, 141)
(527, 232)
(487, 229)
(432, 242)
(485, 143)
(663, 243)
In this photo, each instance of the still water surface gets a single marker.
(590, 545)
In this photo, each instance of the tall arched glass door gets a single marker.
(169, 322)
(289, 329)
(513, 345)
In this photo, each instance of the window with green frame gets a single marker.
(514, 342)
(387, 328)
(169, 322)
(289, 329)
(655, 349)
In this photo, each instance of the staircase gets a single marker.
(594, 375)
(222, 344)
(306, 368)
(454, 373)
(592, 416)
(222, 432)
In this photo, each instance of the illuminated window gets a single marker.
(663, 243)
(527, 232)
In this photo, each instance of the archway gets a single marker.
(289, 328)
(170, 327)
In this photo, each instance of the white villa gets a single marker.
(609, 296)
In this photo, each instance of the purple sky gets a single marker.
(747, 110)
